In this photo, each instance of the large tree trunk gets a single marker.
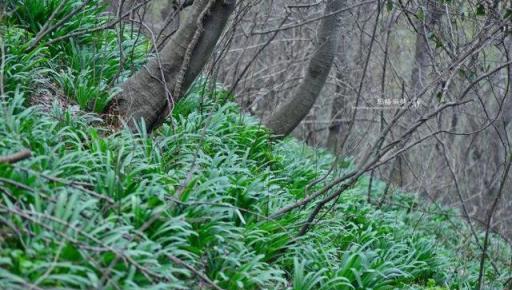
(293, 111)
(150, 93)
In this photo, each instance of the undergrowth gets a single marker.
(187, 207)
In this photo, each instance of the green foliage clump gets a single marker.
(93, 209)
(33, 15)
(86, 67)
(21, 70)
(187, 207)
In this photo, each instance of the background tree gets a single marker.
(429, 14)
(293, 111)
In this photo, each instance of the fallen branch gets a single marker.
(16, 157)
(196, 272)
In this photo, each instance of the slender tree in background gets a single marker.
(294, 110)
(151, 92)
(336, 127)
(432, 14)
(423, 51)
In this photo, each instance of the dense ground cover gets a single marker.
(186, 207)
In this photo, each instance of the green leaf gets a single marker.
(420, 14)
(389, 5)
(508, 14)
(462, 72)
(437, 41)
(439, 96)
(480, 10)
(71, 253)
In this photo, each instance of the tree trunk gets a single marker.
(422, 60)
(293, 111)
(151, 92)
(506, 117)
(336, 128)
(419, 73)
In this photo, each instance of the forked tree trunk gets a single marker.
(293, 111)
(149, 94)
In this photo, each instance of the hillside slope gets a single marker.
(187, 207)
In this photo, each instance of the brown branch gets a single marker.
(304, 229)
(47, 30)
(196, 272)
(311, 197)
(99, 28)
(71, 183)
(314, 19)
(16, 157)
(489, 221)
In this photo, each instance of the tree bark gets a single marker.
(150, 93)
(337, 127)
(293, 111)
(422, 60)
(419, 74)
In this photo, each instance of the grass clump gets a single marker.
(86, 67)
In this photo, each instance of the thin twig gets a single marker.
(196, 272)
(492, 210)
(51, 29)
(99, 28)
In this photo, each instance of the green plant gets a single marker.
(21, 70)
(34, 14)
